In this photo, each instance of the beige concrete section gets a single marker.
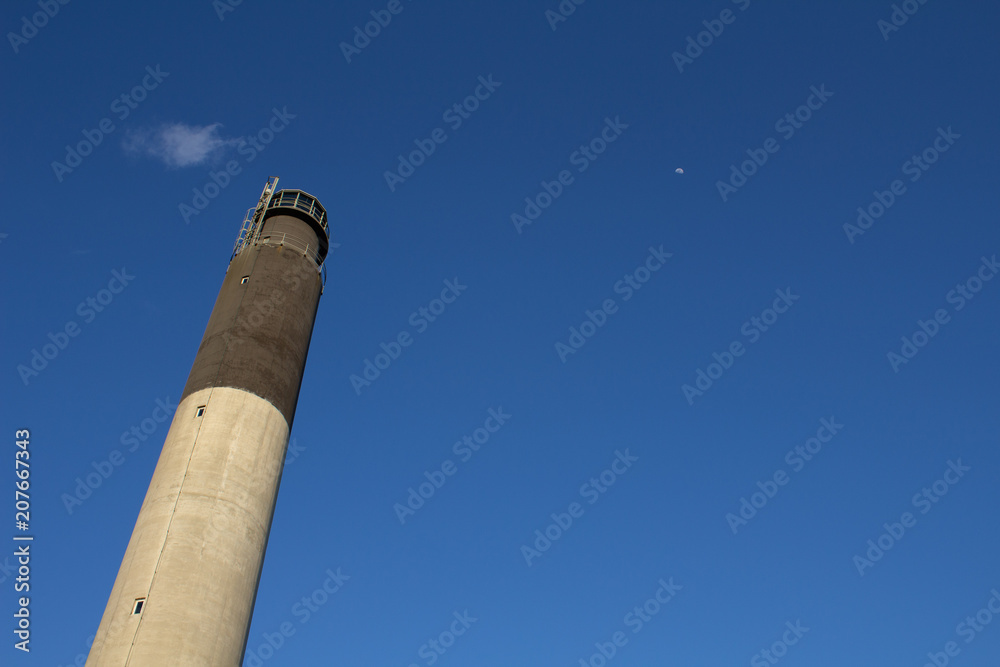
(198, 546)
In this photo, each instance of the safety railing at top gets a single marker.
(254, 220)
(302, 201)
(296, 243)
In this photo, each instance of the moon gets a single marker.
(678, 170)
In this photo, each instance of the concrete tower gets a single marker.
(185, 591)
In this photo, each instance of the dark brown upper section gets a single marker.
(305, 207)
(292, 232)
(258, 334)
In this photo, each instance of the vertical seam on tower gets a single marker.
(267, 528)
(194, 444)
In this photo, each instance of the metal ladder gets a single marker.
(250, 230)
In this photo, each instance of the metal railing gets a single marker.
(254, 217)
(302, 201)
(284, 239)
(271, 199)
(253, 223)
(296, 243)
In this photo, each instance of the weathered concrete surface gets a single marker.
(258, 335)
(198, 546)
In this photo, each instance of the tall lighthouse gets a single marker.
(185, 591)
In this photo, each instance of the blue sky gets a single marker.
(864, 99)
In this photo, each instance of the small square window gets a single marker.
(200, 411)
(245, 280)
(137, 607)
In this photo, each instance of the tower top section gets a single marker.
(296, 203)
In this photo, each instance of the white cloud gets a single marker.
(177, 144)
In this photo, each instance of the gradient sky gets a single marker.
(887, 96)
